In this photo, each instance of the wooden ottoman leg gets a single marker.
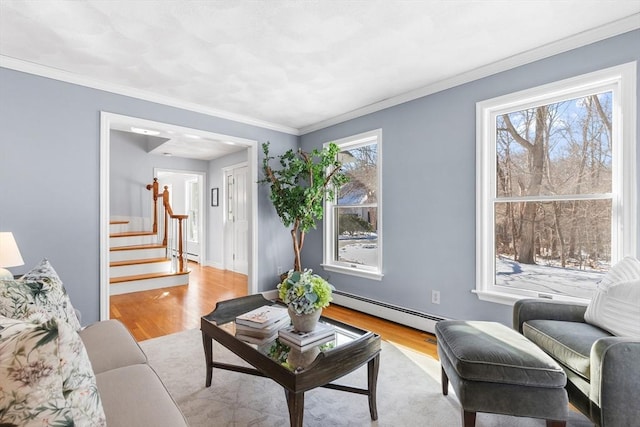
(556, 423)
(468, 418)
(445, 382)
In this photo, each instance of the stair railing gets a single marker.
(173, 230)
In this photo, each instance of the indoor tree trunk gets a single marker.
(298, 242)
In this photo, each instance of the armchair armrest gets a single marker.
(530, 309)
(615, 379)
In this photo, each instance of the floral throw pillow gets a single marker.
(78, 380)
(31, 392)
(38, 291)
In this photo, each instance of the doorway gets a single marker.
(187, 196)
(114, 122)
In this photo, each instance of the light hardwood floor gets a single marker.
(159, 312)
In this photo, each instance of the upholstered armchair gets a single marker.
(603, 370)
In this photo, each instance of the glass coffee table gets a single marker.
(297, 372)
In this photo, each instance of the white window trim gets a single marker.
(328, 241)
(622, 81)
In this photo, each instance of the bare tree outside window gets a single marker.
(553, 192)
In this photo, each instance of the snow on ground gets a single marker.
(539, 278)
(547, 279)
(363, 252)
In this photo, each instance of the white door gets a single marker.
(186, 196)
(194, 222)
(237, 224)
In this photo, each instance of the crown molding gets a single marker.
(584, 38)
(612, 29)
(68, 77)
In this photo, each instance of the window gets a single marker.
(353, 222)
(556, 194)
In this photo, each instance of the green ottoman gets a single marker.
(494, 369)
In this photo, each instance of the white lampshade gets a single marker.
(9, 254)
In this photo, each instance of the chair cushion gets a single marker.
(492, 352)
(568, 342)
(38, 291)
(615, 305)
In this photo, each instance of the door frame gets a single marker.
(106, 121)
(203, 197)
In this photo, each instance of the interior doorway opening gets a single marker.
(187, 196)
(114, 122)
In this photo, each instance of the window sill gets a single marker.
(510, 299)
(353, 272)
(498, 297)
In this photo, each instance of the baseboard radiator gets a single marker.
(404, 316)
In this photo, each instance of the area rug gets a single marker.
(409, 392)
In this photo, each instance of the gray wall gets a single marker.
(429, 185)
(131, 169)
(49, 175)
(49, 181)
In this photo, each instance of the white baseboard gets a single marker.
(415, 319)
(214, 264)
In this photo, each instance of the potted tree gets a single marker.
(297, 190)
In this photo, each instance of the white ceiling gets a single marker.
(295, 64)
(176, 141)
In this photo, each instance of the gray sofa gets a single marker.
(603, 370)
(131, 391)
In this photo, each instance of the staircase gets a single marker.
(144, 260)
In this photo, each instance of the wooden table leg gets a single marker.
(295, 402)
(207, 343)
(445, 381)
(372, 370)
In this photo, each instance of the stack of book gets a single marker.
(323, 333)
(261, 325)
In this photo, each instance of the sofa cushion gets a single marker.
(110, 345)
(38, 291)
(615, 305)
(135, 396)
(492, 352)
(31, 392)
(568, 342)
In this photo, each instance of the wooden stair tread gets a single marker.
(132, 233)
(116, 280)
(137, 261)
(119, 222)
(135, 247)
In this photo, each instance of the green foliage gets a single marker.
(305, 292)
(353, 223)
(299, 186)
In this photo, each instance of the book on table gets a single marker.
(305, 347)
(257, 340)
(268, 330)
(301, 339)
(262, 317)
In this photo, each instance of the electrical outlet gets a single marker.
(435, 297)
(279, 270)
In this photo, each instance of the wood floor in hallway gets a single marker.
(159, 312)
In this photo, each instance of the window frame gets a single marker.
(329, 232)
(621, 80)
